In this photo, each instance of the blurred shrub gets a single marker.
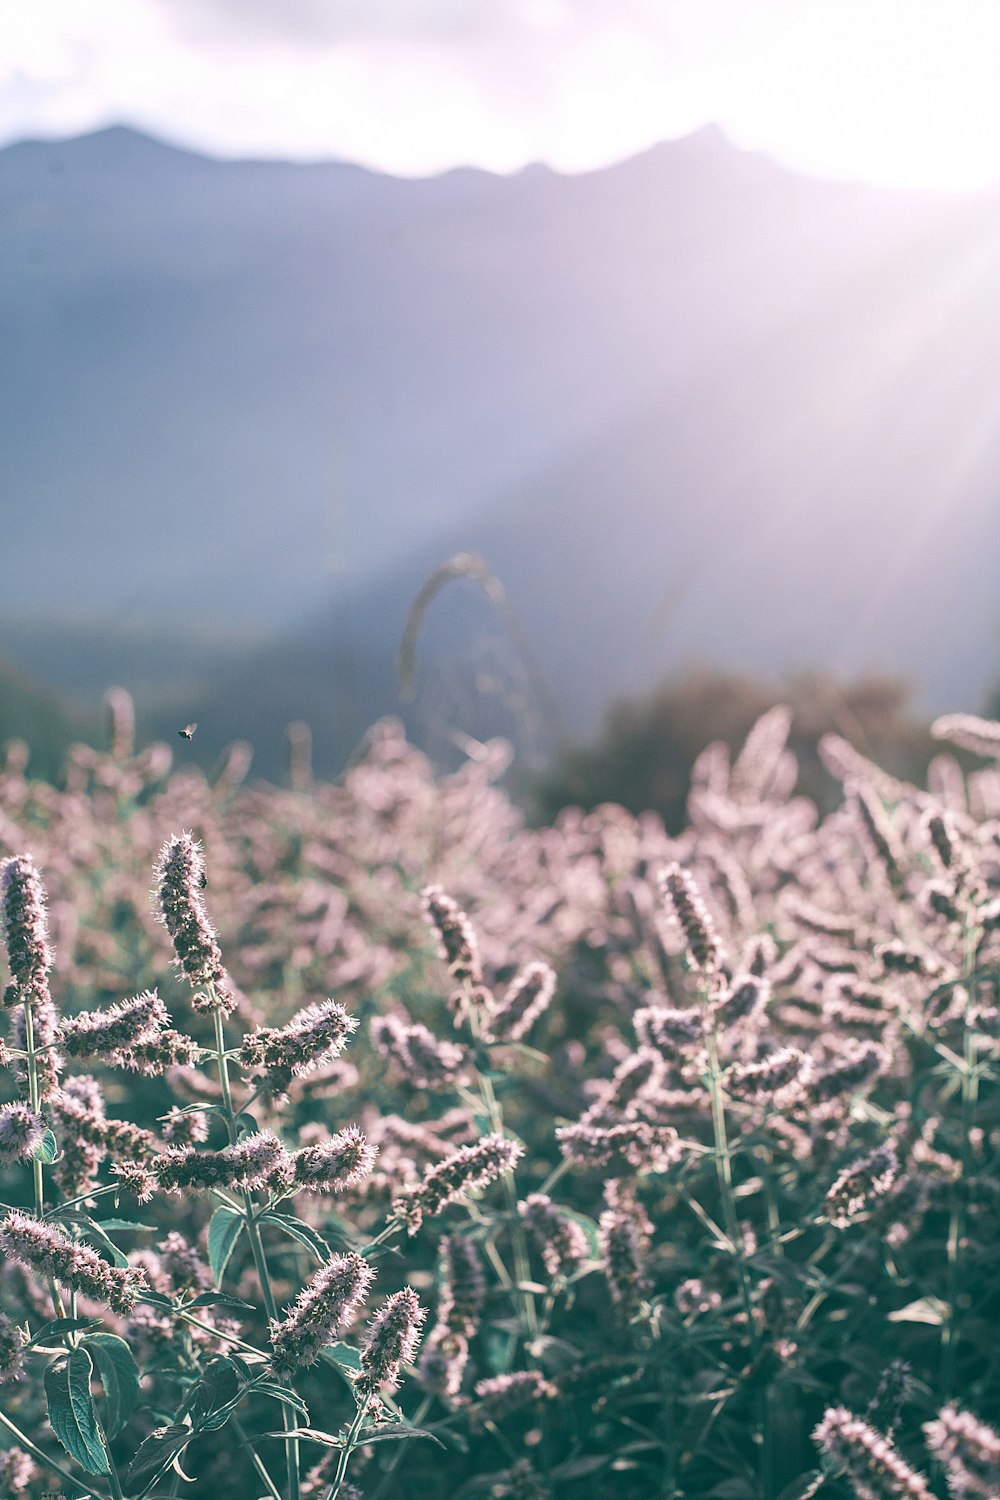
(644, 754)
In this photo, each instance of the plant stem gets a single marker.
(969, 1072)
(23, 1441)
(255, 1459)
(346, 1451)
(256, 1248)
(724, 1175)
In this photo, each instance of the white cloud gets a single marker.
(895, 90)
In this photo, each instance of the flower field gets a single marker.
(358, 1139)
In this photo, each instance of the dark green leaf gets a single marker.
(221, 1299)
(161, 1445)
(342, 1355)
(119, 1224)
(388, 1432)
(218, 1384)
(59, 1326)
(72, 1416)
(802, 1488)
(223, 1232)
(156, 1300)
(93, 1231)
(283, 1394)
(304, 1233)
(119, 1377)
(47, 1149)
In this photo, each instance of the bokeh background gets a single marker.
(678, 321)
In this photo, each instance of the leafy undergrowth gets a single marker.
(360, 1140)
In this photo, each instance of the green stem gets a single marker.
(394, 1462)
(256, 1248)
(345, 1453)
(255, 1459)
(34, 1098)
(724, 1175)
(957, 1223)
(23, 1441)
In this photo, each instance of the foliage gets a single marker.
(397, 1145)
(647, 748)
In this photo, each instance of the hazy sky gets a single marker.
(904, 92)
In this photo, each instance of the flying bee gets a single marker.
(187, 733)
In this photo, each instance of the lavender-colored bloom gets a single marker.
(471, 1167)
(758, 762)
(106, 1033)
(16, 1473)
(968, 1451)
(121, 722)
(49, 1062)
(25, 927)
(528, 996)
(253, 1162)
(185, 1127)
(391, 1340)
(332, 1166)
(135, 1179)
(313, 1037)
(860, 1066)
(879, 831)
(632, 1145)
(982, 736)
(12, 1341)
(870, 1460)
(323, 1308)
(636, 1078)
(462, 1285)
(774, 1079)
(20, 1132)
(680, 891)
(48, 1252)
(692, 1298)
(673, 1033)
(454, 932)
(423, 1060)
(443, 1361)
(180, 881)
(897, 957)
(499, 1395)
(742, 1003)
(560, 1239)
(623, 1231)
(152, 1058)
(859, 1184)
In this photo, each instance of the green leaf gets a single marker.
(93, 1231)
(119, 1377)
(388, 1432)
(218, 1384)
(72, 1415)
(342, 1355)
(223, 1232)
(60, 1326)
(220, 1299)
(304, 1233)
(924, 1310)
(587, 1225)
(47, 1149)
(283, 1394)
(162, 1444)
(119, 1224)
(155, 1299)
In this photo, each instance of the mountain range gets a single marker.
(691, 407)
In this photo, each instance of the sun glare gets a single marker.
(904, 93)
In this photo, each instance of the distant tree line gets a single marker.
(643, 756)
